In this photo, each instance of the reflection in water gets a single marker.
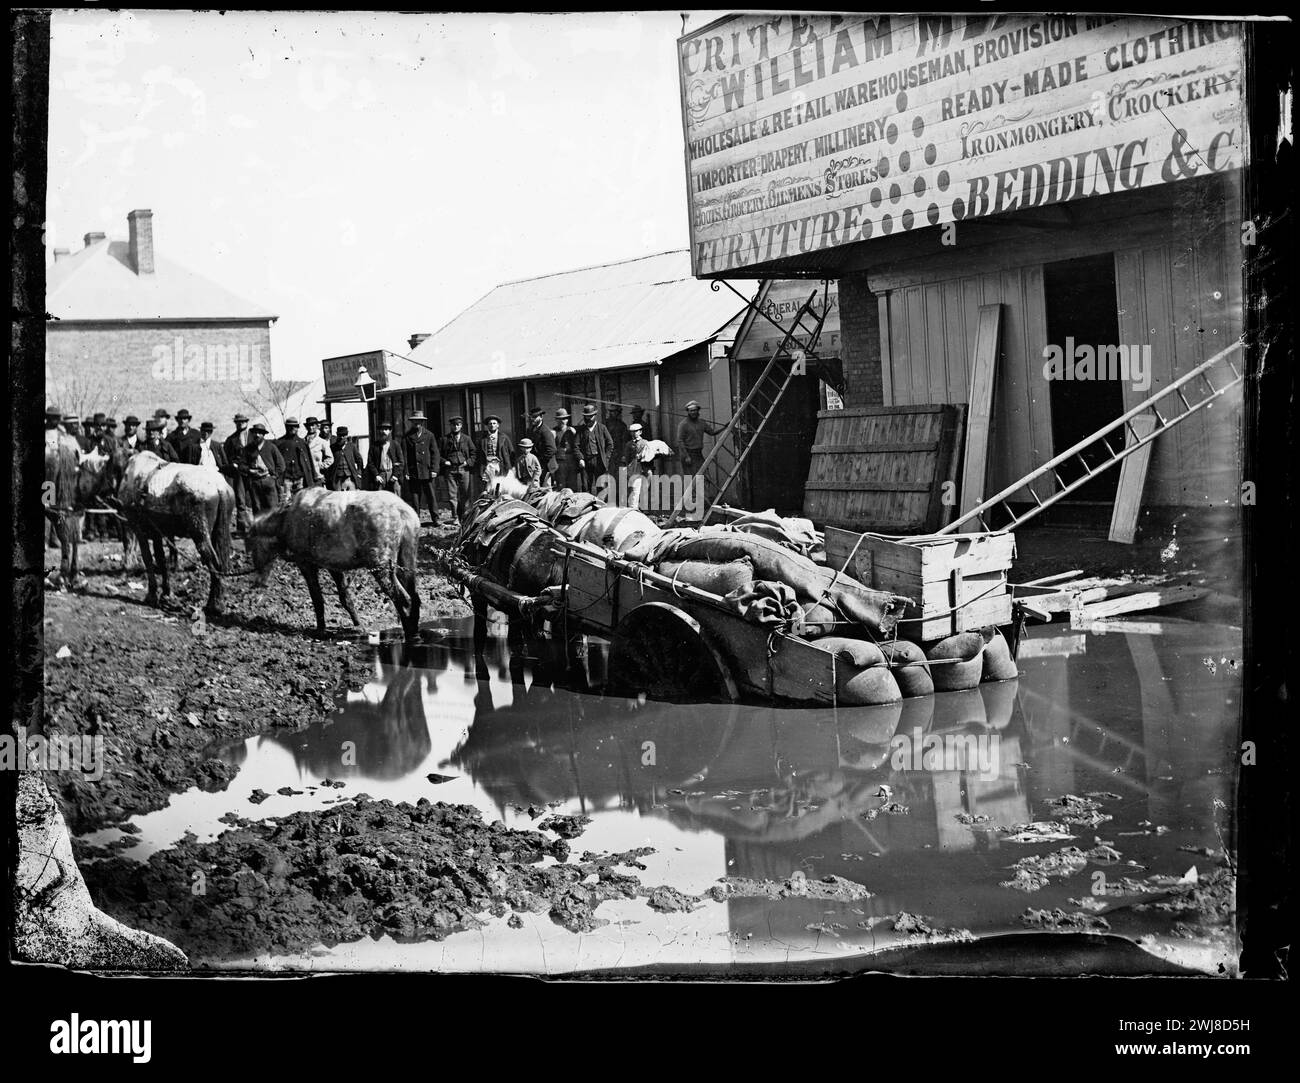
(1136, 719)
(386, 738)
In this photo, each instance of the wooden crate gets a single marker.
(938, 574)
(882, 468)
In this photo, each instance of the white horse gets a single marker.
(162, 500)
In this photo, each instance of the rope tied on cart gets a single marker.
(950, 610)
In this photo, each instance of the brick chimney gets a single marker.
(61, 253)
(92, 238)
(415, 340)
(141, 241)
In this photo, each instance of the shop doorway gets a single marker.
(777, 467)
(433, 412)
(1082, 310)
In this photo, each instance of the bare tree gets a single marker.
(269, 398)
(85, 391)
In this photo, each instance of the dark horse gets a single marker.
(162, 500)
(74, 479)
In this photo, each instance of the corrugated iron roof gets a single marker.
(99, 283)
(635, 312)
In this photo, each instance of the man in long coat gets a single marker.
(422, 465)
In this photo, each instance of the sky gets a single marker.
(368, 176)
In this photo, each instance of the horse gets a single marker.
(342, 531)
(74, 479)
(161, 500)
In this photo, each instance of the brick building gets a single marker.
(129, 331)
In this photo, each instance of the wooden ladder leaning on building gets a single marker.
(1197, 383)
(732, 446)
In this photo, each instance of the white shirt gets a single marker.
(206, 458)
(321, 455)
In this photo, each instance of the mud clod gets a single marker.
(797, 886)
(1059, 919)
(1079, 811)
(915, 925)
(1033, 873)
(567, 827)
(668, 900)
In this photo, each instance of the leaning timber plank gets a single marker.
(1093, 581)
(979, 414)
(947, 465)
(1042, 580)
(1137, 603)
(1062, 601)
(1132, 478)
(1122, 589)
(1048, 602)
(1164, 626)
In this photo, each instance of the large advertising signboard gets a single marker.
(804, 133)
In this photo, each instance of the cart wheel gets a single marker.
(660, 650)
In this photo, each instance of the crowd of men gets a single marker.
(265, 473)
(578, 455)
(262, 472)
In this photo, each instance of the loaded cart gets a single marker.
(733, 612)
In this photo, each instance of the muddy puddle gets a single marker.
(1093, 794)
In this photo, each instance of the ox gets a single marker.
(341, 531)
(162, 500)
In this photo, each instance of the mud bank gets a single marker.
(372, 868)
(161, 687)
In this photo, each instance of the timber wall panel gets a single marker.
(1178, 284)
(931, 349)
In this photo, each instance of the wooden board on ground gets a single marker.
(979, 416)
(883, 468)
(1046, 599)
(1062, 646)
(1140, 602)
(1132, 479)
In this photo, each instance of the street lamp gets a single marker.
(365, 385)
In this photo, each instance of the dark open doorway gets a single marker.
(433, 412)
(1082, 309)
(777, 467)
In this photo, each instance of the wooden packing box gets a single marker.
(937, 573)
